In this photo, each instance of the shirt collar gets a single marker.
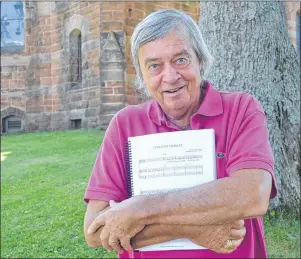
(211, 105)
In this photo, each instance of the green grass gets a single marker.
(43, 179)
(282, 234)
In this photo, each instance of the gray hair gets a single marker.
(157, 25)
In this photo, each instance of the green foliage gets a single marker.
(43, 179)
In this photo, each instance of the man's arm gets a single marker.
(94, 208)
(212, 237)
(152, 234)
(243, 195)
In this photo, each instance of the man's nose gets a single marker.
(170, 74)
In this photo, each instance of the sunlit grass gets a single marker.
(43, 180)
(4, 155)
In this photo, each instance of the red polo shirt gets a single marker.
(241, 139)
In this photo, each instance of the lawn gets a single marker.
(43, 179)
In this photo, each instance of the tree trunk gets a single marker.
(253, 53)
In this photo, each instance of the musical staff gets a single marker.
(170, 171)
(170, 158)
(160, 191)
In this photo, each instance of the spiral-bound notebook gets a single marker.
(172, 161)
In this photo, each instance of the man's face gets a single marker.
(171, 72)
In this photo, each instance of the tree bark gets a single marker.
(253, 53)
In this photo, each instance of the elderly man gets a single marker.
(224, 216)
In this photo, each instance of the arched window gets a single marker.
(75, 56)
(298, 32)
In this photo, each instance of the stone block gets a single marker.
(85, 104)
(91, 94)
(111, 56)
(132, 22)
(84, 123)
(4, 112)
(60, 107)
(114, 75)
(112, 6)
(104, 120)
(87, 82)
(45, 117)
(6, 71)
(119, 90)
(11, 110)
(106, 91)
(129, 30)
(95, 81)
(31, 126)
(115, 83)
(76, 97)
(113, 98)
(119, 37)
(58, 116)
(48, 102)
(75, 105)
(76, 114)
(92, 112)
(106, 15)
(94, 102)
(34, 109)
(60, 125)
(44, 124)
(4, 83)
(48, 108)
(112, 108)
(112, 65)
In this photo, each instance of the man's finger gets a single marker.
(126, 244)
(104, 238)
(97, 223)
(238, 224)
(114, 243)
(236, 243)
(236, 234)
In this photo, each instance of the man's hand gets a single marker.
(120, 223)
(214, 237)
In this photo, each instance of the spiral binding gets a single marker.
(129, 172)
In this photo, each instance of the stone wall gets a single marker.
(38, 82)
(52, 100)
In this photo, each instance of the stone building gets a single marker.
(75, 68)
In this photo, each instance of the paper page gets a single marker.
(172, 161)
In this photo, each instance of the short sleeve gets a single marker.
(250, 147)
(108, 178)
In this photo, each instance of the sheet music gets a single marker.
(172, 161)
